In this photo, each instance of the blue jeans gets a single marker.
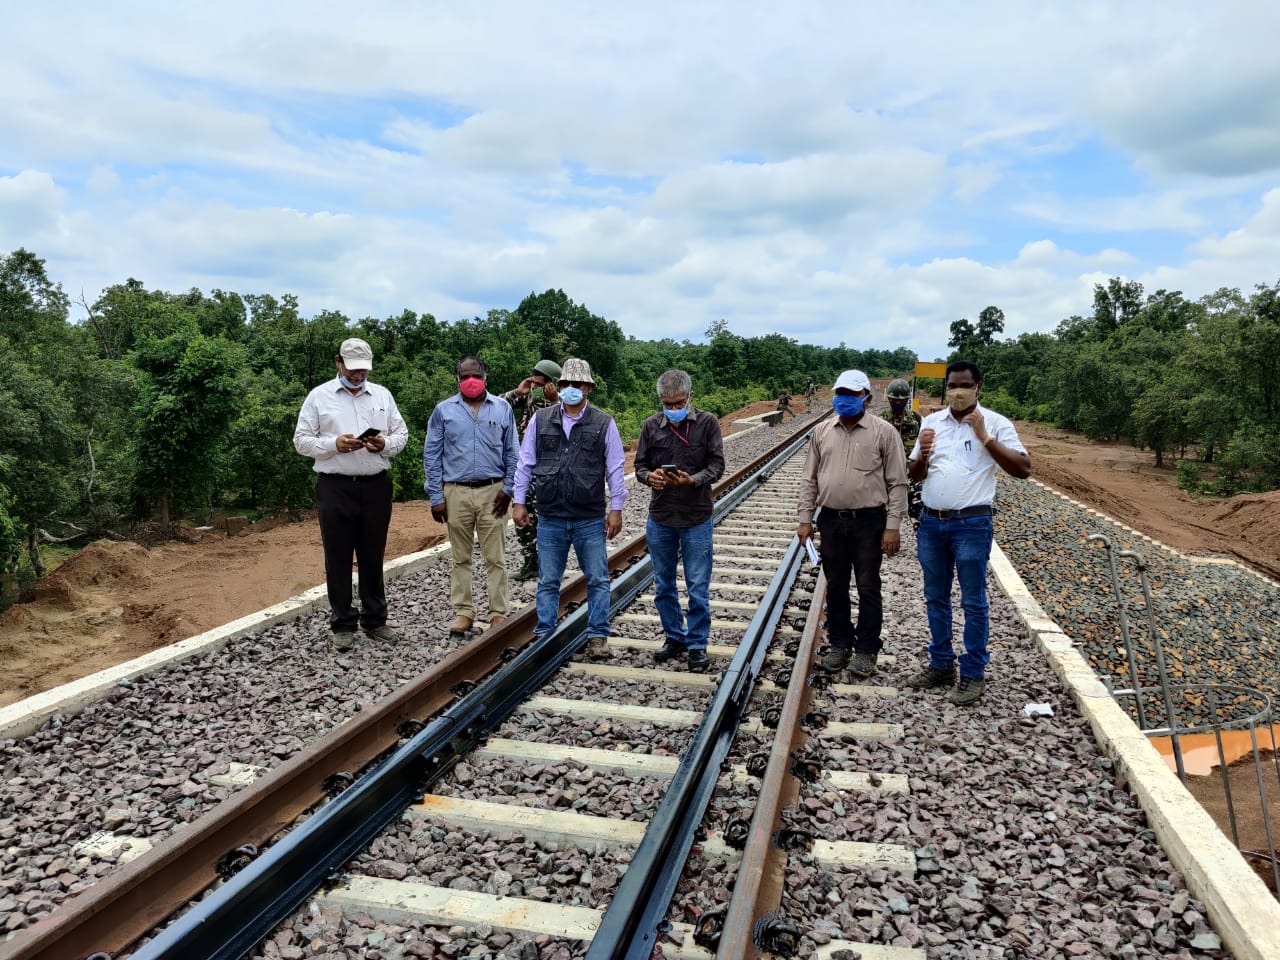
(667, 546)
(961, 547)
(555, 535)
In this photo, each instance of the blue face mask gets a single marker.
(571, 396)
(676, 416)
(847, 406)
(348, 384)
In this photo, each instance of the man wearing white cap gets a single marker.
(856, 475)
(352, 428)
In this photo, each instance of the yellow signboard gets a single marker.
(938, 370)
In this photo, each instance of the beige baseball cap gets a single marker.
(576, 371)
(356, 354)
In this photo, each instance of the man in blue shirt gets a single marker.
(470, 458)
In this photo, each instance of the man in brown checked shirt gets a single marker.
(856, 473)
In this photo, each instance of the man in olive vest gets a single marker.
(568, 453)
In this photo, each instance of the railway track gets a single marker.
(535, 806)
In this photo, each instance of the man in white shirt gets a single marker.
(956, 455)
(352, 429)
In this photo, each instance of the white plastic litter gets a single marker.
(1037, 710)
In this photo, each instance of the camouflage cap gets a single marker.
(548, 368)
(899, 388)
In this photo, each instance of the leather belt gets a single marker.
(963, 513)
(356, 478)
(476, 483)
(855, 514)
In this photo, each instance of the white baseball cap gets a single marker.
(356, 354)
(852, 380)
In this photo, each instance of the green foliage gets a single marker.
(1189, 478)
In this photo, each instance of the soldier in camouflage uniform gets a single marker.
(907, 422)
(809, 390)
(784, 405)
(525, 403)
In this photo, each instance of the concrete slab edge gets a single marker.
(25, 717)
(1241, 908)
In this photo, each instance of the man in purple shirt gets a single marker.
(568, 453)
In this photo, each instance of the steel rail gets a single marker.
(752, 923)
(115, 912)
(630, 926)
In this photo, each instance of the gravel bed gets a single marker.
(137, 763)
(631, 692)
(660, 740)
(568, 786)
(1027, 844)
(501, 863)
(1218, 624)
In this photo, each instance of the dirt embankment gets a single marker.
(114, 601)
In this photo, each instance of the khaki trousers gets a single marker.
(471, 517)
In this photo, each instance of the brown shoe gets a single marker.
(497, 620)
(460, 624)
(597, 648)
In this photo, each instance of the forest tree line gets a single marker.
(1197, 380)
(156, 407)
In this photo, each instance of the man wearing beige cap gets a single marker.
(352, 429)
(856, 473)
(567, 455)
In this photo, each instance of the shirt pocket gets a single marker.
(866, 457)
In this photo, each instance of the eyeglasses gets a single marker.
(572, 383)
(675, 404)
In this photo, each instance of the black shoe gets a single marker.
(864, 664)
(529, 571)
(384, 632)
(968, 690)
(344, 640)
(836, 658)
(670, 651)
(698, 661)
(931, 677)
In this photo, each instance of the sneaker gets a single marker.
(597, 648)
(385, 632)
(698, 661)
(864, 664)
(670, 651)
(344, 640)
(967, 691)
(931, 677)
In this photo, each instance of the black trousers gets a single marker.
(355, 513)
(851, 551)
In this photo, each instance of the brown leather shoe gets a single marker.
(497, 620)
(460, 624)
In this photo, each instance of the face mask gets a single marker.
(847, 406)
(348, 384)
(571, 396)
(471, 387)
(962, 398)
(676, 416)
(898, 405)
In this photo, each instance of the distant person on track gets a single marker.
(956, 457)
(535, 392)
(567, 455)
(679, 527)
(352, 428)
(809, 390)
(857, 474)
(907, 422)
(784, 405)
(469, 460)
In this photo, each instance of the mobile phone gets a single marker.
(669, 468)
(371, 432)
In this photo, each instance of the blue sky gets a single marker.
(835, 172)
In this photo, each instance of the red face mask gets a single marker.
(472, 387)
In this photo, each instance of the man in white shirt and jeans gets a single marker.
(352, 429)
(956, 455)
